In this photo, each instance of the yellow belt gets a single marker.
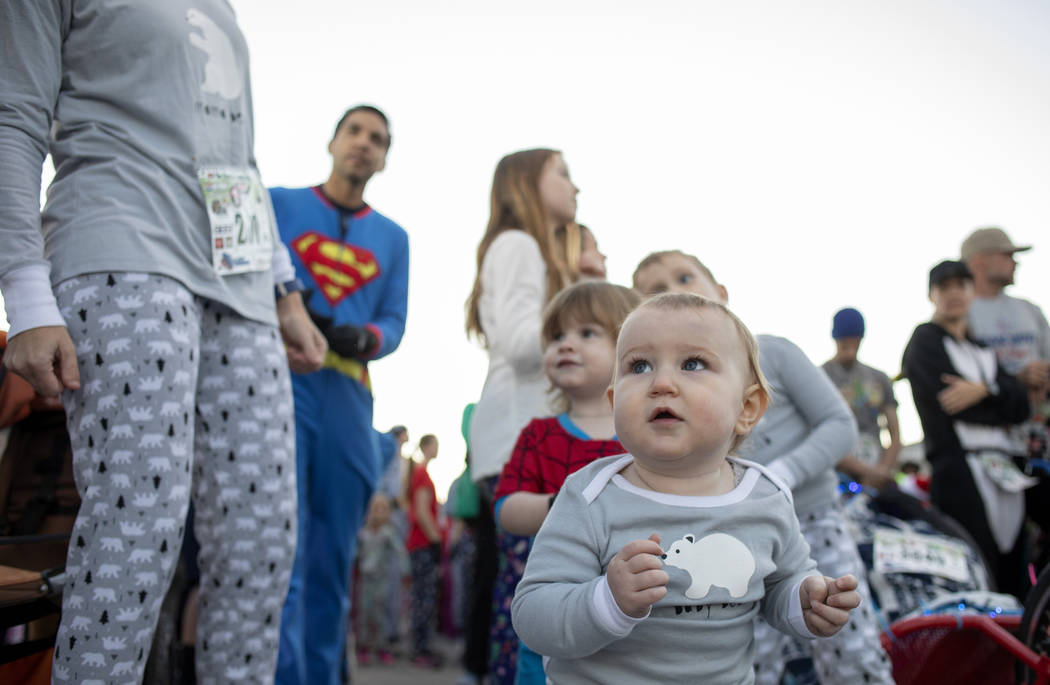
(348, 367)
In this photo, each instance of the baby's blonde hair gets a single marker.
(696, 303)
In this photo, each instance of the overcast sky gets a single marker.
(815, 155)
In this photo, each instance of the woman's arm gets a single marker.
(833, 429)
(421, 505)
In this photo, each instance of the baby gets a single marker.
(600, 596)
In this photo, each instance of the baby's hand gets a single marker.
(826, 603)
(636, 576)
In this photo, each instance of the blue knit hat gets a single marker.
(848, 323)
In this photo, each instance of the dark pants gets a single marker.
(486, 565)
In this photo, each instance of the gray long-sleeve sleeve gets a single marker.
(31, 35)
(808, 427)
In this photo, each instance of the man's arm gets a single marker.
(893, 427)
(389, 323)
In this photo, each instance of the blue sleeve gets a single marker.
(389, 322)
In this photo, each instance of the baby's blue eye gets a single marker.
(640, 366)
(685, 278)
(693, 364)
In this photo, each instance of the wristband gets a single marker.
(281, 290)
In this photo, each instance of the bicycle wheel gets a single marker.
(1035, 623)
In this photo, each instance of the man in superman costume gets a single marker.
(353, 264)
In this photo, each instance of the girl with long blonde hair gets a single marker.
(520, 267)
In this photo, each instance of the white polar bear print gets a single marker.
(112, 321)
(118, 345)
(121, 369)
(85, 294)
(150, 440)
(114, 643)
(221, 75)
(131, 529)
(151, 383)
(141, 413)
(112, 545)
(169, 409)
(80, 623)
(107, 402)
(122, 668)
(92, 659)
(108, 571)
(160, 347)
(717, 559)
(128, 302)
(147, 325)
(104, 594)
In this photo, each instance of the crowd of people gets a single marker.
(651, 490)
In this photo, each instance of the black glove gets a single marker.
(352, 342)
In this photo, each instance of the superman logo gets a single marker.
(337, 268)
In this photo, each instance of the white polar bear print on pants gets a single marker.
(717, 559)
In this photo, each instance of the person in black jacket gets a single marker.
(969, 407)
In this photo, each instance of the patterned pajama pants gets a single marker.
(854, 654)
(424, 595)
(179, 397)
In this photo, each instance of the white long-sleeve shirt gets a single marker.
(513, 293)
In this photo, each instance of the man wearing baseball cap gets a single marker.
(869, 394)
(1016, 329)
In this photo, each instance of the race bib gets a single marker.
(897, 552)
(242, 230)
(1004, 472)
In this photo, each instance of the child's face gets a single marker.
(429, 449)
(580, 361)
(379, 511)
(676, 274)
(682, 386)
(592, 261)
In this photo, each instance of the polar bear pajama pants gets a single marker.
(854, 654)
(179, 397)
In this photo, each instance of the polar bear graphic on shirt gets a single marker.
(717, 559)
(221, 75)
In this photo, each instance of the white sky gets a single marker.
(814, 154)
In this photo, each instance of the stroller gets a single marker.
(38, 504)
(943, 621)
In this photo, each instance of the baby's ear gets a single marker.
(754, 406)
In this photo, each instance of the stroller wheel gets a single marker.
(1035, 623)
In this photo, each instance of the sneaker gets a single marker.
(385, 657)
(427, 660)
